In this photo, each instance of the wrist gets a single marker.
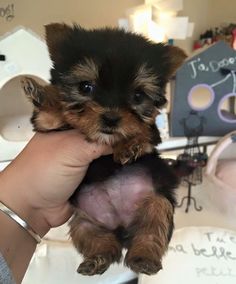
(19, 204)
(17, 219)
(16, 246)
(29, 219)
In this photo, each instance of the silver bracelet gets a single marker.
(19, 221)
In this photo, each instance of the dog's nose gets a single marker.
(110, 119)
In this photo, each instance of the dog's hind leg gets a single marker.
(150, 233)
(99, 246)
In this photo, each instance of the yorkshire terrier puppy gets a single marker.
(109, 84)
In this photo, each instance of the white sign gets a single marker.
(198, 255)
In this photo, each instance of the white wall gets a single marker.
(87, 13)
(221, 12)
(90, 13)
(197, 11)
(206, 14)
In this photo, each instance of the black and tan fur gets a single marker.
(110, 84)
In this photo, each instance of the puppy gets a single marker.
(110, 84)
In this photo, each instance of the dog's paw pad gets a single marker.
(144, 265)
(92, 266)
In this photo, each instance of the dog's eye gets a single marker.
(86, 87)
(139, 97)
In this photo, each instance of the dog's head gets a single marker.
(112, 82)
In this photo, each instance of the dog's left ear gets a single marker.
(56, 34)
(174, 58)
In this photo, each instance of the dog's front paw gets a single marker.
(126, 153)
(93, 265)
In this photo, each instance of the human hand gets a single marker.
(39, 182)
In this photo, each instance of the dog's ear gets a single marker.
(55, 34)
(174, 58)
(33, 91)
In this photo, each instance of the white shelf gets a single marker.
(175, 143)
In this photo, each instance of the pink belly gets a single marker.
(113, 202)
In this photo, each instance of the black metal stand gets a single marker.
(193, 157)
(189, 199)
